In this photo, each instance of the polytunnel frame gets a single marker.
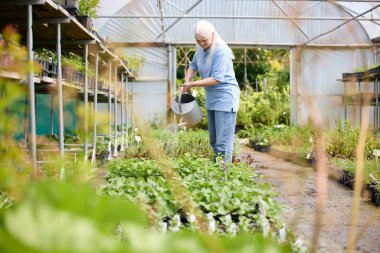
(172, 53)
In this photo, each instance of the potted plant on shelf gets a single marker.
(72, 65)
(374, 69)
(87, 10)
(72, 6)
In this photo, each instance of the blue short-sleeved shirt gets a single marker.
(223, 96)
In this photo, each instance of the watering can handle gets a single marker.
(179, 100)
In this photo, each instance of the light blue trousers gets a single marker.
(221, 127)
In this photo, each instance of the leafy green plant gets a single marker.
(345, 147)
(102, 143)
(218, 189)
(46, 55)
(88, 7)
(74, 61)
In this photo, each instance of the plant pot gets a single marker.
(238, 128)
(72, 7)
(311, 161)
(353, 75)
(252, 143)
(375, 70)
(348, 180)
(68, 73)
(85, 21)
(262, 147)
(375, 193)
(102, 157)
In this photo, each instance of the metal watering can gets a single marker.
(187, 107)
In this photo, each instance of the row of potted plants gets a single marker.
(230, 198)
(297, 142)
(362, 73)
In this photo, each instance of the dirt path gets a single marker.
(296, 188)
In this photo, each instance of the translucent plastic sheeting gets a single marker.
(150, 102)
(155, 66)
(316, 78)
(260, 22)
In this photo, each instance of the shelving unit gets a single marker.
(371, 76)
(45, 24)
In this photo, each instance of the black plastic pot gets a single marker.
(353, 75)
(102, 157)
(375, 193)
(262, 147)
(85, 21)
(348, 179)
(252, 143)
(375, 70)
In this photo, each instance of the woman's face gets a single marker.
(205, 43)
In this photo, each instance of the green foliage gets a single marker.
(141, 181)
(346, 147)
(134, 62)
(46, 55)
(296, 139)
(74, 61)
(349, 166)
(201, 100)
(180, 143)
(273, 64)
(88, 7)
(61, 217)
(174, 144)
(342, 147)
(268, 108)
(14, 168)
(219, 191)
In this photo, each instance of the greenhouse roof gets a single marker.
(242, 22)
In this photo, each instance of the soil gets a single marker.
(295, 186)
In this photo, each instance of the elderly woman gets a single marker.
(213, 61)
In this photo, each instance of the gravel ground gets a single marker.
(296, 188)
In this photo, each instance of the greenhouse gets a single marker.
(189, 126)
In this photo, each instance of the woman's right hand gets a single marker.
(186, 87)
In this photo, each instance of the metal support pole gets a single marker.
(122, 113)
(109, 112)
(132, 107)
(86, 104)
(51, 114)
(32, 105)
(115, 115)
(345, 104)
(377, 107)
(245, 73)
(174, 70)
(60, 100)
(126, 110)
(25, 119)
(170, 79)
(94, 137)
(360, 104)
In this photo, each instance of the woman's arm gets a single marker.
(200, 83)
(189, 75)
(209, 81)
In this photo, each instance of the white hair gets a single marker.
(204, 30)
